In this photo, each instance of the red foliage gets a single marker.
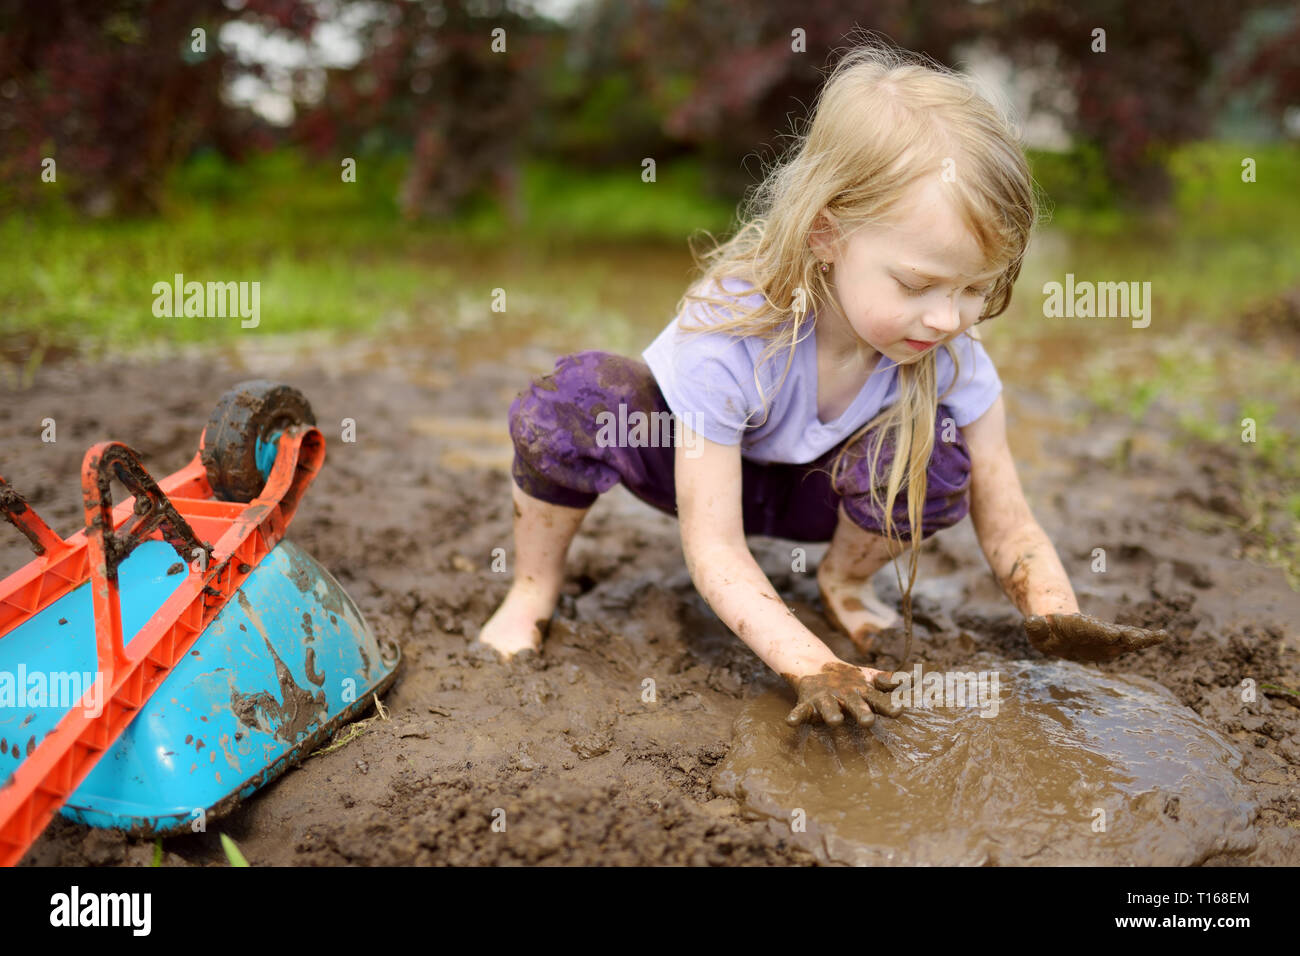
(431, 83)
(115, 94)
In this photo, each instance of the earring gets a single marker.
(826, 267)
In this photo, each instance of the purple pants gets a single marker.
(559, 458)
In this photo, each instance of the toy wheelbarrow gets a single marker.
(152, 694)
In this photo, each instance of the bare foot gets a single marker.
(853, 608)
(518, 624)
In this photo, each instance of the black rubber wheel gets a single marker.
(248, 412)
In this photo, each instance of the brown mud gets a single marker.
(604, 749)
(1044, 762)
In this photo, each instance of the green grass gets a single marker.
(1210, 198)
(621, 206)
(327, 254)
(233, 853)
(334, 255)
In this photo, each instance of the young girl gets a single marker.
(825, 385)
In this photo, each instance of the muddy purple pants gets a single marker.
(559, 459)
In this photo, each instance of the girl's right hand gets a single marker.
(1079, 637)
(840, 688)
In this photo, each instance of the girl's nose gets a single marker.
(945, 316)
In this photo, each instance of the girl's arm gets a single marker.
(1018, 550)
(1023, 559)
(724, 571)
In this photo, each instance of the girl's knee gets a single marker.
(947, 483)
(562, 453)
(620, 380)
(568, 399)
(536, 406)
(551, 437)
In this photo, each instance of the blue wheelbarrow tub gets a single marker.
(49, 661)
(285, 662)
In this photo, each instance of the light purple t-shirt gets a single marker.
(707, 379)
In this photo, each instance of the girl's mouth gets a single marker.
(919, 345)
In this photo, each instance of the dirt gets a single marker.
(604, 749)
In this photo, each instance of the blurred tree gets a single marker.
(1274, 60)
(726, 75)
(723, 76)
(439, 80)
(1149, 87)
(116, 93)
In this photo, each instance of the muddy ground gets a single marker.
(587, 772)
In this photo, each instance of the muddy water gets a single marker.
(1069, 766)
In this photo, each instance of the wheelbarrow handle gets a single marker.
(23, 516)
(153, 509)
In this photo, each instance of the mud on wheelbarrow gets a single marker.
(177, 654)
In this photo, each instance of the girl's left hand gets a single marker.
(1083, 638)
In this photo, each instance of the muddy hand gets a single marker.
(1083, 638)
(840, 688)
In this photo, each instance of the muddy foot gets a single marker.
(526, 658)
(518, 625)
(853, 609)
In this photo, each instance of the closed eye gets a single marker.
(981, 292)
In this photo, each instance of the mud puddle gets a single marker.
(1019, 762)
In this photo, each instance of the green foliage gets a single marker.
(207, 177)
(617, 204)
(1143, 395)
(283, 184)
(1270, 441)
(1077, 184)
(233, 853)
(610, 116)
(1211, 195)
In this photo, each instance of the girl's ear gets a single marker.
(822, 238)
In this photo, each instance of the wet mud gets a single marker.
(609, 747)
(1047, 763)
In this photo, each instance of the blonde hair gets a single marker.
(884, 120)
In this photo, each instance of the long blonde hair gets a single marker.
(884, 120)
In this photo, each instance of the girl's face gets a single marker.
(910, 285)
